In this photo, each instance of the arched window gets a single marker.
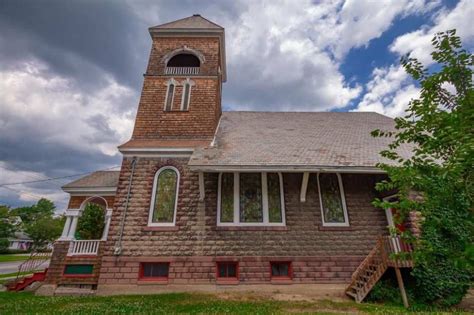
(184, 60)
(186, 99)
(164, 197)
(170, 92)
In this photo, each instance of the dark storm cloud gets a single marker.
(76, 38)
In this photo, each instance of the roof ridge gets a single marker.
(183, 19)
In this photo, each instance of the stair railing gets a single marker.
(34, 261)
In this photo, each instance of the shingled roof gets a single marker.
(97, 180)
(195, 21)
(295, 140)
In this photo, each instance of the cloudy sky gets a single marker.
(71, 71)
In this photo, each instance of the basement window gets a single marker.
(332, 200)
(78, 270)
(227, 270)
(154, 271)
(250, 199)
(280, 269)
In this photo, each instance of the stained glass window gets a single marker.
(227, 197)
(331, 199)
(251, 197)
(165, 196)
(274, 198)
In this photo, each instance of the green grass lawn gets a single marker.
(10, 258)
(184, 303)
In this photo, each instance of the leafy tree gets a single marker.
(91, 223)
(6, 227)
(44, 230)
(440, 127)
(43, 207)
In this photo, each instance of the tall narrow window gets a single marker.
(227, 197)
(332, 201)
(164, 197)
(186, 99)
(170, 96)
(251, 197)
(274, 198)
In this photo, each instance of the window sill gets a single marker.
(152, 281)
(283, 280)
(336, 228)
(229, 281)
(161, 228)
(251, 228)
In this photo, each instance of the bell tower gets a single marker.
(181, 96)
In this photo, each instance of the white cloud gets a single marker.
(56, 111)
(30, 193)
(418, 43)
(390, 89)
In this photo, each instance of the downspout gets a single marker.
(118, 246)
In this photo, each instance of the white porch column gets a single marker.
(66, 228)
(304, 186)
(108, 218)
(72, 230)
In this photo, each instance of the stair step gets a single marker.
(354, 296)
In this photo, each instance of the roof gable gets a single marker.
(195, 21)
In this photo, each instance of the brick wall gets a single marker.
(75, 202)
(318, 254)
(60, 259)
(200, 121)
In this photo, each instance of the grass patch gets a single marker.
(173, 303)
(10, 258)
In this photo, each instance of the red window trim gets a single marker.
(236, 263)
(290, 270)
(142, 277)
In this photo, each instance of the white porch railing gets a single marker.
(182, 70)
(83, 247)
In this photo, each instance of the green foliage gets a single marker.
(4, 243)
(43, 207)
(44, 230)
(6, 226)
(91, 223)
(439, 128)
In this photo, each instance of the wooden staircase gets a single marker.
(389, 251)
(29, 271)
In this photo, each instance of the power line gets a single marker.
(54, 178)
(23, 192)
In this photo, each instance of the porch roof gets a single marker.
(296, 141)
(99, 180)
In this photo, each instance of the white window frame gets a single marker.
(168, 84)
(343, 201)
(191, 83)
(264, 202)
(153, 195)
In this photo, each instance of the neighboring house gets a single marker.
(211, 197)
(20, 241)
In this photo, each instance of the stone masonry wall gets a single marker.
(59, 260)
(319, 254)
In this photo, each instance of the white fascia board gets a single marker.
(157, 152)
(287, 168)
(86, 191)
